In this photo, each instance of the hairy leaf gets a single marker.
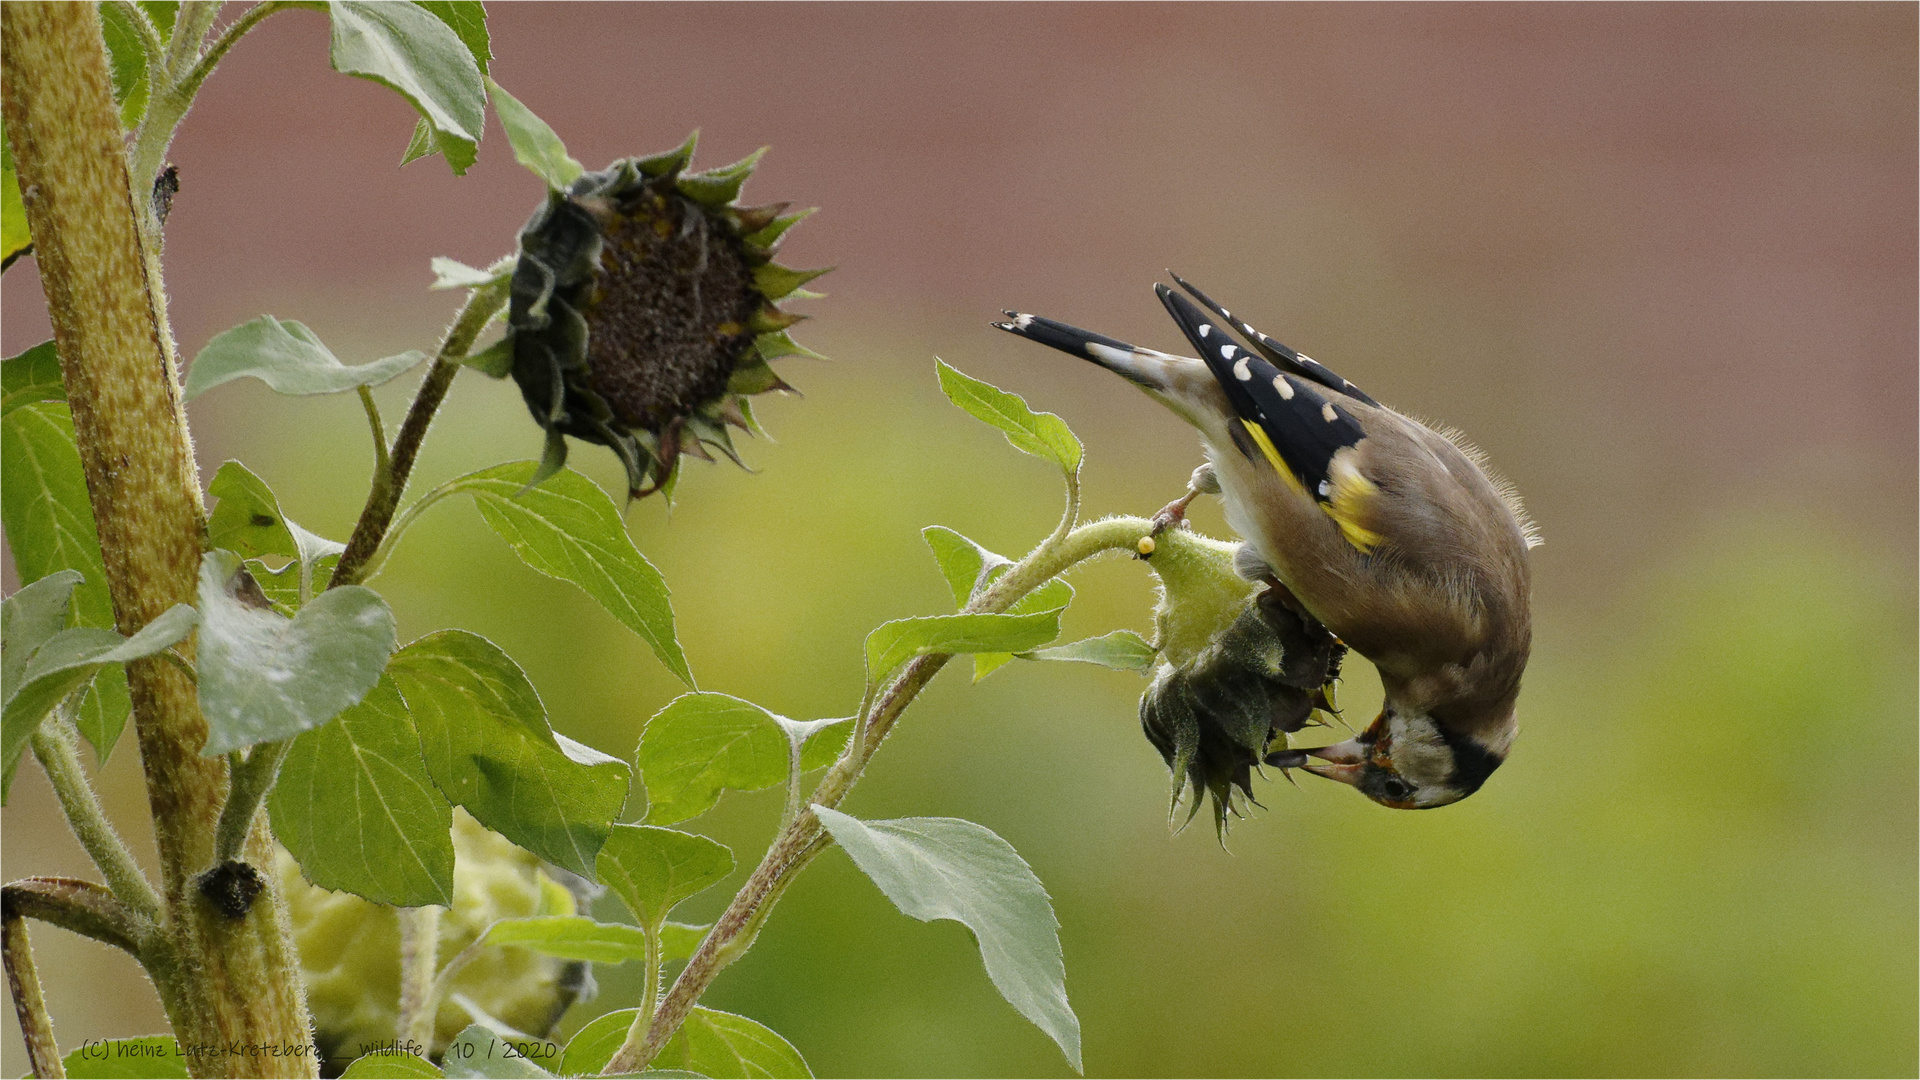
(33, 614)
(14, 237)
(534, 143)
(572, 937)
(64, 664)
(355, 806)
(946, 868)
(264, 677)
(127, 58)
(894, 643)
(391, 1065)
(288, 357)
(1040, 434)
(652, 869)
(49, 524)
(489, 748)
(704, 743)
(567, 528)
(1122, 650)
(32, 376)
(477, 1052)
(468, 20)
(710, 1043)
(454, 274)
(404, 47)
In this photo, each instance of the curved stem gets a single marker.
(802, 839)
(382, 462)
(401, 524)
(483, 303)
(56, 744)
(29, 1004)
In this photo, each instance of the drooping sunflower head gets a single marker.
(643, 312)
(1241, 669)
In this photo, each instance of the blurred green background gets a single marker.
(1659, 261)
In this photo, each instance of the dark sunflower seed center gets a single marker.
(669, 316)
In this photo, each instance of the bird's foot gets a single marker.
(1203, 482)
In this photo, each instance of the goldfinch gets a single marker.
(1390, 533)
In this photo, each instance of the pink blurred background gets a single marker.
(1658, 260)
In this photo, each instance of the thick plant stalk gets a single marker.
(227, 983)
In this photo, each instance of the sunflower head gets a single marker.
(1241, 669)
(643, 312)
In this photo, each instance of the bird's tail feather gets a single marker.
(1149, 369)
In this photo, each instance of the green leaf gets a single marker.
(567, 528)
(1043, 435)
(28, 618)
(282, 586)
(32, 376)
(679, 941)
(965, 564)
(162, 12)
(701, 744)
(64, 664)
(14, 237)
(945, 868)
(477, 1052)
(572, 937)
(49, 524)
(1122, 650)
(264, 677)
(355, 806)
(718, 187)
(489, 748)
(420, 144)
(652, 869)
(1054, 595)
(391, 1065)
(534, 143)
(156, 1057)
(894, 643)
(248, 520)
(288, 357)
(710, 1043)
(495, 362)
(405, 48)
(127, 56)
(454, 274)
(468, 20)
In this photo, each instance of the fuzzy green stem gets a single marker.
(29, 1004)
(800, 841)
(419, 956)
(483, 303)
(252, 780)
(56, 745)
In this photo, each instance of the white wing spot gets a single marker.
(1280, 385)
(1327, 413)
(1205, 329)
(1240, 370)
(1021, 322)
(1325, 488)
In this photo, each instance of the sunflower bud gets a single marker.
(642, 313)
(350, 950)
(1241, 669)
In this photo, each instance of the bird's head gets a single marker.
(1404, 760)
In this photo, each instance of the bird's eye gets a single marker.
(1395, 788)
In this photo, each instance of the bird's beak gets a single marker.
(1343, 761)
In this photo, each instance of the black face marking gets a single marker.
(1279, 354)
(1472, 763)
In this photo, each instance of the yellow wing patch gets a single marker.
(1273, 456)
(1350, 500)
